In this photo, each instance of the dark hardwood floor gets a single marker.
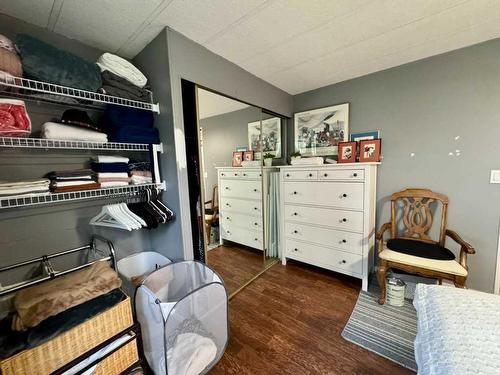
(289, 321)
(236, 265)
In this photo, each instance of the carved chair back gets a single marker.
(417, 214)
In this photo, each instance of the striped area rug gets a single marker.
(385, 330)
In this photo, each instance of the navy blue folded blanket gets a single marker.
(134, 134)
(110, 167)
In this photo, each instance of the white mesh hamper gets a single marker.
(182, 309)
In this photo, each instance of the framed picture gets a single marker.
(318, 132)
(237, 158)
(248, 156)
(270, 139)
(357, 137)
(241, 148)
(369, 150)
(347, 152)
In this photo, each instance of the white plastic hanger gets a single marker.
(108, 218)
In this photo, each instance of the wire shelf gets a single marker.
(41, 143)
(47, 198)
(29, 86)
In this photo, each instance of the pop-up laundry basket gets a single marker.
(182, 309)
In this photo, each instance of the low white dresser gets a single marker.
(241, 205)
(328, 216)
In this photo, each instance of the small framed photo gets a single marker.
(248, 155)
(347, 152)
(369, 150)
(361, 136)
(237, 158)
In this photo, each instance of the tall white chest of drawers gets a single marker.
(328, 217)
(241, 205)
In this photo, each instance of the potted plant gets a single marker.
(295, 155)
(268, 159)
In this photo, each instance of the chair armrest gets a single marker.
(380, 235)
(207, 202)
(465, 247)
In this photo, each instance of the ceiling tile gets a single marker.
(34, 12)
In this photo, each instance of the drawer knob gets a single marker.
(326, 175)
(343, 261)
(256, 239)
(295, 193)
(344, 195)
(295, 249)
(228, 232)
(260, 174)
(244, 174)
(344, 241)
(255, 190)
(310, 174)
(227, 188)
(295, 231)
(344, 220)
(227, 204)
(236, 174)
(255, 208)
(227, 217)
(255, 223)
(295, 214)
(288, 174)
(222, 174)
(355, 175)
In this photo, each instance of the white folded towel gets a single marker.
(190, 355)
(251, 163)
(123, 68)
(53, 130)
(72, 183)
(113, 184)
(112, 175)
(111, 159)
(308, 161)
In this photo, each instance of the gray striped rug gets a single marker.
(385, 330)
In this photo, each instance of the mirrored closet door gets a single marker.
(233, 179)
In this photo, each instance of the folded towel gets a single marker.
(67, 189)
(113, 183)
(53, 130)
(308, 161)
(141, 173)
(138, 180)
(134, 134)
(190, 355)
(113, 179)
(57, 184)
(37, 303)
(110, 167)
(112, 175)
(117, 86)
(11, 188)
(121, 68)
(37, 182)
(72, 174)
(111, 159)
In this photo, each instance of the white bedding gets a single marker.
(458, 331)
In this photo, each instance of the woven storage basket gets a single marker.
(68, 346)
(119, 361)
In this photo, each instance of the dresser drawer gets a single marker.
(342, 174)
(333, 194)
(251, 174)
(340, 219)
(322, 256)
(347, 241)
(229, 174)
(241, 205)
(300, 175)
(242, 236)
(241, 220)
(241, 188)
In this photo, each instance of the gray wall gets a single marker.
(221, 135)
(421, 108)
(191, 61)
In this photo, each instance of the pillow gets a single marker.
(420, 249)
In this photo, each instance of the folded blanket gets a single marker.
(57, 184)
(110, 167)
(122, 68)
(10, 184)
(10, 63)
(112, 175)
(53, 130)
(67, 189)
(111, 179)
(24, 187)
(35, 304)
(141, 173)
(133, 134)
(117, 86)
(116, 117)
(138, 180)
(111, 159)
(113, 184)
(191, 354)
(73, 174)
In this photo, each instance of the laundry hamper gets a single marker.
(183, 312)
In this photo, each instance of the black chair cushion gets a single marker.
(420, 249)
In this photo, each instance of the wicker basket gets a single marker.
(119, 361)
(68, 346)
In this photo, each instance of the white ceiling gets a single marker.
(297, 45)
(210, 104)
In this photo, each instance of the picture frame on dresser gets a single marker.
(318, 132)
(369, 150)
(347, 152)
(237, 158)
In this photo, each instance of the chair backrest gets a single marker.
(417, 215)
(215, 197)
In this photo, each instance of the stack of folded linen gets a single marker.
(27, 187)
(76, 125)
(10, 63)
(111, 170)
(72, 180)
(121, 68)
(141, 177)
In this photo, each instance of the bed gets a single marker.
(458, 331)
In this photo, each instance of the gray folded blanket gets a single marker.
(117, 86)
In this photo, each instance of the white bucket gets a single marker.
(395, 292)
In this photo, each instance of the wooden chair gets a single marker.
(211, 214)
(416, 218)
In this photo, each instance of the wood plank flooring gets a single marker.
(289, 321)
(236, 265)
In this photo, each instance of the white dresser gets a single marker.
(241, 205)
(328, 216)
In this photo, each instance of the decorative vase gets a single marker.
(268, 162)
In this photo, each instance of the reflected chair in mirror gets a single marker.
(212, 214)
(414, 251)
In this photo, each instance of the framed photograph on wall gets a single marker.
(237, 158)
(319, 131)
(270, 142)
(248, 155)
(369, 150)
(361, 136)
(347, 152)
